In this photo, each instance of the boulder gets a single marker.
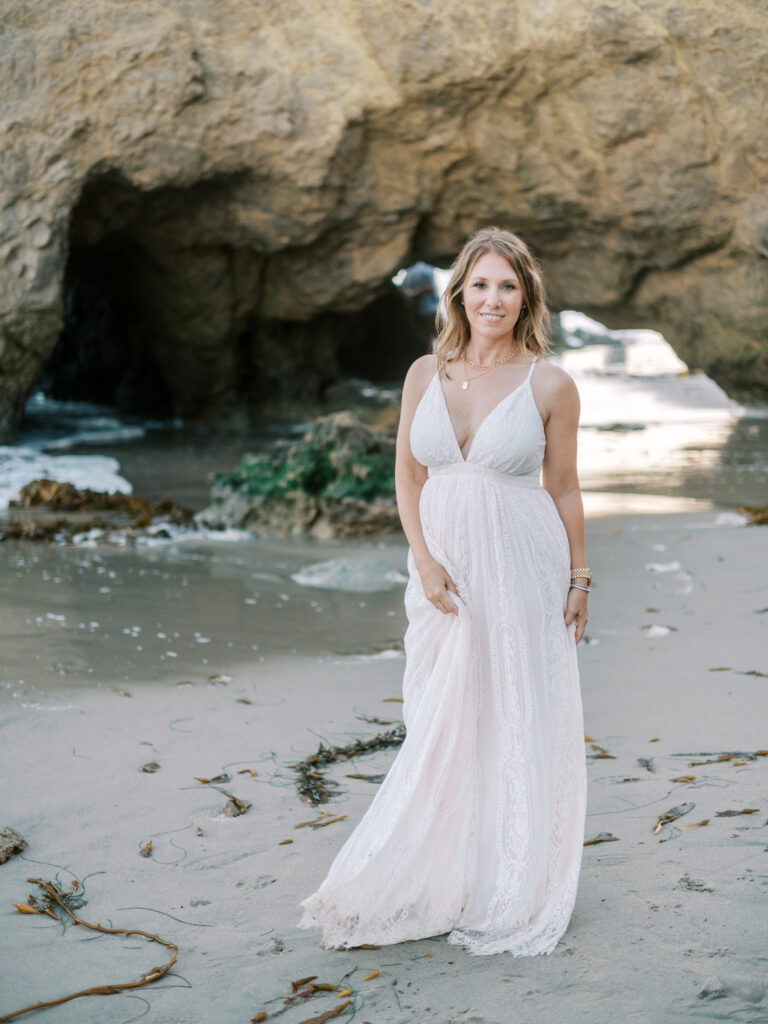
(338, 480)
(199, 207)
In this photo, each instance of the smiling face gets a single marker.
(492, 298)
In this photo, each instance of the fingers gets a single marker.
(576, 612)
(446, 604)
(581, 625)
(437, 589)
(443, 602)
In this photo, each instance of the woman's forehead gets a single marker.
(493, 264)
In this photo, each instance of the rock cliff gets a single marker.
(198, 200)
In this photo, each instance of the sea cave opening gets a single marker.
(103, 354)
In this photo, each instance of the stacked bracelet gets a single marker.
(580, 586)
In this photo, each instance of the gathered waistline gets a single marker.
(475, 469)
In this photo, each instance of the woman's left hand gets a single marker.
(576, 610)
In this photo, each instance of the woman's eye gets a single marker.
(479, 284)
(509, 287)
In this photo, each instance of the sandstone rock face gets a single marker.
(237, 182)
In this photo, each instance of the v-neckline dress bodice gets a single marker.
(509, 442)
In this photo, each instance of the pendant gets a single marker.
(464, 385)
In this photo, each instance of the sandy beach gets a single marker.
(667, 926)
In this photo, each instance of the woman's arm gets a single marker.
(560, 478)
(410, 476)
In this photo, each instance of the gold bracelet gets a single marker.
(581, 574)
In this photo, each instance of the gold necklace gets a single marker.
(485, 367)
(498, 362)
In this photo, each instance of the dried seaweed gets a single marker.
(602, 837)
(313, 787)
(83, 510)
(29, 529)
(56, 495)
(305, 989)
(234, 806)
(324, 819)
(321, 1018)
(600, 753)
(735, 756)
(54, 896)
(677, 830)
(757, 514)
(672, 815)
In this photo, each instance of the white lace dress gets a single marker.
(478, 828)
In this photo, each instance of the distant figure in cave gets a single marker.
(420, 286)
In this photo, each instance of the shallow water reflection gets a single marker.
(185, 612)
(649, 426)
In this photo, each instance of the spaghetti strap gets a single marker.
(533, 363)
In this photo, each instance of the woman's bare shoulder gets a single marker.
(554, 378)
(555, 392)
(420, 373)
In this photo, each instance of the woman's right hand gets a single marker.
(437, 584)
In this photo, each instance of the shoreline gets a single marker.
(181, 609)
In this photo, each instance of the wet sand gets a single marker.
(667, 927)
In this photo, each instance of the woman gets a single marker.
(478, 827)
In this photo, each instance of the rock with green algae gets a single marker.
(337, 480)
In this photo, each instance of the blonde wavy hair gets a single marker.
(453, 330)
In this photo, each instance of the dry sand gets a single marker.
(665, 929)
